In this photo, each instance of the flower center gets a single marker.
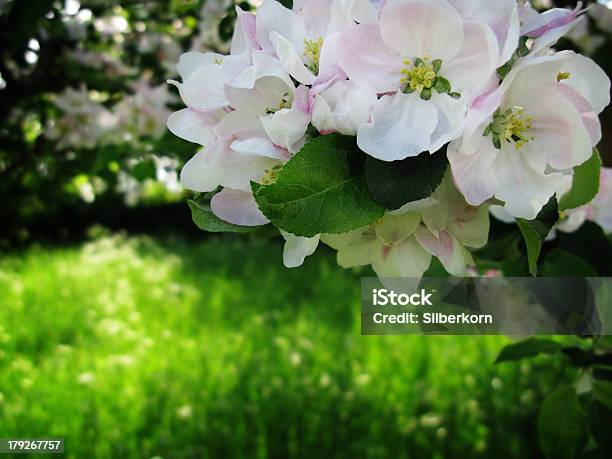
(422, 76)
(271, 175)
(285, 102)
(511, 126)
(312, 53)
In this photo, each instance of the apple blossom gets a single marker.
(402, 245)
(342, 107)
(422, 56)
(305, 38)
(545, 125)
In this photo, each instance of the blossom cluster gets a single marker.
(474, 80)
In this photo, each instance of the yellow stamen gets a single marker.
(312, 52)
(563, 76)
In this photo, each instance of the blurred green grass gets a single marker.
(138, 347)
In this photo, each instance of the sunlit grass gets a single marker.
(132, 347)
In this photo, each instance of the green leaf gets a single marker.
(204, 219)
(528, 348)
(560, 263)
(322, 189)
(535, 232)
(585, 185)
(393, 184)
(562, 428)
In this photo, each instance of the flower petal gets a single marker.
(401, 127)
(500, 15)
(261, 146)
(446, 248)
(476, 61)
(589, 80)
(237, 207)
(219, 165)
(194, 126)
(523, 190)
(343, 107)
(245, 33)
(274, 17)
(298, 248)
(291, 60)
(473, 169)
(192, 61)
(203, 91)
(408, 259)
(286, 128)
(367, 60)
(558, 132)
(418, 28)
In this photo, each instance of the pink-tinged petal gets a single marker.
(245, 33)
(550, 20)
(523, 190)
(601, 207)
(500, 15)
(274, 17)
(588, 79)
(483, 105)
(446, 248)
(407, 259)
(418, 28)
(401, 127)
(237, 68)
(329, 69)
(290, 59)
(219, 165)
(588, 116)
(203, 91)
(473, 169)
(298, 248)
(367, 60)
(260, 146)
(194, 126)
(237, 207)
(558, 132)
(550, 27)
(302, 100)
(189, 63)
(476, 61)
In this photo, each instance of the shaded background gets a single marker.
(130, 333)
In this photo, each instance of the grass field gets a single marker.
(140, 348)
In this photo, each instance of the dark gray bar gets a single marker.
(486, 306)
(31, 445)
